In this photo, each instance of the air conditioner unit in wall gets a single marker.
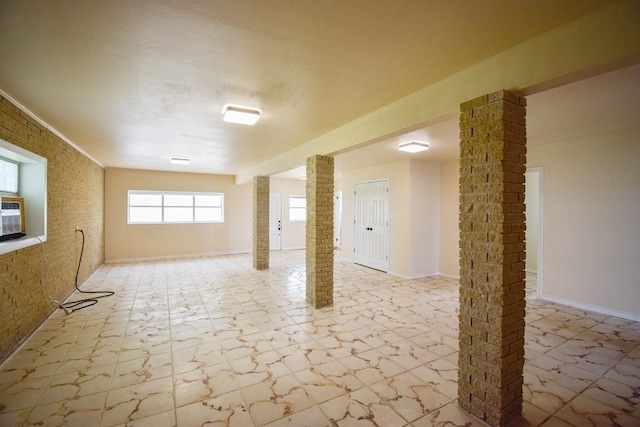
(11, 218)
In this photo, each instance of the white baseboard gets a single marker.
(449, 276)
(590, 307)
(168, 257)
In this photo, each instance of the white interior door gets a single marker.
(275, 221)
(371, 221)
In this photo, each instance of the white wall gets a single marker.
(449, 219)
(591, 219)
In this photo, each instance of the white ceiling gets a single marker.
(132, 83)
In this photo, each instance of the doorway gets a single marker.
(275, 221)
(533, 233)
(371, 224)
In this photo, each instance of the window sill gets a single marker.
(17, 244)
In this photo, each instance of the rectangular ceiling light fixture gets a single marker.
(240, 115)
(180, 160)
(413, 146)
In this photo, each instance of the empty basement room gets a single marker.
(209, 216)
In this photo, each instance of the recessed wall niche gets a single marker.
(32, 187)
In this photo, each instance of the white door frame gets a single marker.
(275, 221)
(371, 234)
(337, 219)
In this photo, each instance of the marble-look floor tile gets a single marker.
(547, 370)
(302, 356)
(30, 364)
(361, 407)
(274, 399)
(584, 411)
(71, 385)
(410, 396)
(203, 384)
(312, 417)
(212, 341)
(589, 356)
(126, 404)
(619, 396)
(326, 381)
(225, 410)
(199, 357)
(21, 394)
(371, 366)
(442, 375)
(448, 415)
(85, 411)
(407, 354)
(258, 367)
(141, 370)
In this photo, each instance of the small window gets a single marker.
(297, 208)
(8, 176)
(152, 207)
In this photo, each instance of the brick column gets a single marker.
(319, 239)
(260, 222)
(492, 255)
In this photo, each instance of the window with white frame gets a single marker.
(297, 208)
(8, 176)
(154, 207)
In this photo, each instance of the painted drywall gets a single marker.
(532, 214)
(591, 217)
(413, 211)
(449, 219)
(138, 241)
(293, 232)
(424, 218)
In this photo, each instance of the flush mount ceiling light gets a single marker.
(240, 115)
(180, 160)
(413, 146)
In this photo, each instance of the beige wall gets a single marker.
(31, 277)
(591, 228)
(449, 215)
(532, 204)
(124, 241)
(424, 218)
(414, 214)
(293, 232)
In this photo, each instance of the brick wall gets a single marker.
(261, 222)
(75, 188)
(319, 231)
(492, 255)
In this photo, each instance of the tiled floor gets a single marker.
(212, 341)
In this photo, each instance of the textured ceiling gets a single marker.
(132, 83)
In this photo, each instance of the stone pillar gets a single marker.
(260, 222)
(492, 256)
(319, 231)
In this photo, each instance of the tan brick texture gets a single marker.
(319, 231)
(261, 222)
(31, 277)
(492, 256)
